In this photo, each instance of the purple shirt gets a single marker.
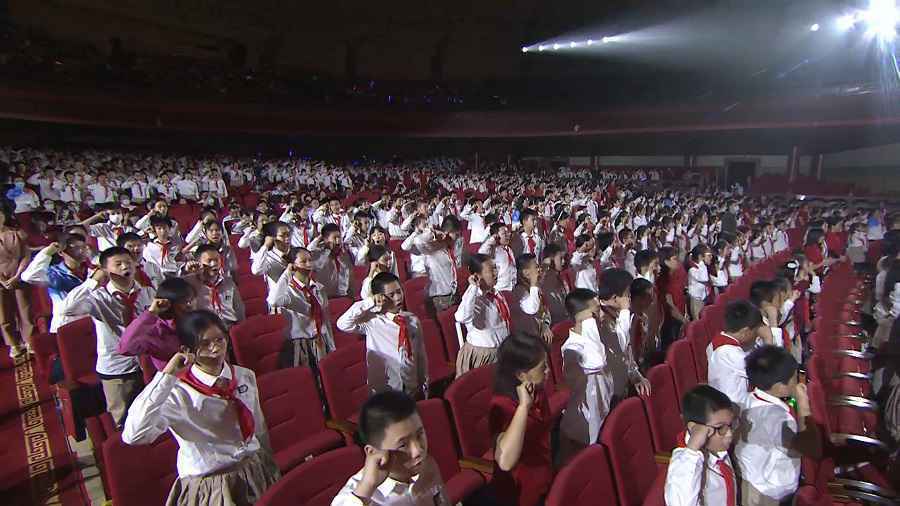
(150, 335)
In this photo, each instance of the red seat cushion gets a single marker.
(311, 445)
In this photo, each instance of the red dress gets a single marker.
(530, 479)
(674, 283)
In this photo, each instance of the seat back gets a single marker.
(291, 404)
(441, 440)
(447, 321)
(435, 351)
(663, 408)
(142, 474)
(626, 436)
(415, 294)
(258, 341)
(680, 358)
(344, 381)
(470, 403)
(587, 480)
(560, 334)
(336, 307)
(77, 343)
(699, 341)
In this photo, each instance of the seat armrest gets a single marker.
(483, 466)
(864, 376)
(342, 426)
(662, 458)
(840, 439)
(862, 355)
(852, 401)
(838, 492)
(863, 486)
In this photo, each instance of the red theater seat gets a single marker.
(447, 322)
(626, 436)
(140, 475)
(344, 381)
(587, 480)
(315, 483)
(470, 402)
(258, 341)
(294, 415)
(336, 307)
(680, 359)
(663, 408)
(460, 483)
(440, 369)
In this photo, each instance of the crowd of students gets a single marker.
(629, 261)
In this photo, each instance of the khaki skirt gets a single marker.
(470, 357)
(240, 485)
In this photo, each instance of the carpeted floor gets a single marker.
(36, 464)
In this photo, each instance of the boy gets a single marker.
(112, 298)
(216, 291)
(587, 372)
(486, 315)
(529, 309)
(60, 277)
(163, 251)
(331, 261)
(773, 435)
(644, 331)
(147, 273)
(497, 247)
(728, 350)
(441, 250)
(398, 469)
(583, 268)
(107, 232)
(303, 302)
(396, 350)
(556, 283)
(528, 240)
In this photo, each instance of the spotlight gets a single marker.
(590, 42)
(814, 27)
(573, 44)
(524, 49)
(882, 18)
(846, 22)
(606, 39)
(541, 47)
(555, 46)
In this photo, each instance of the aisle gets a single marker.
(36, 466)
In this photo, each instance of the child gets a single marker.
(398, 468)
(728, 350)
(644, 332)
(529, 310)
(113, 299)
(212, 409)
(304, 303)
(331, 261)
(528, 240)
(556, 284)
(153, 332)
(583, 268)
(615, 332)
(587, 374)
(672, 285)
(163, 250)
(520, 423)
(147, 273)
(497, 247)
(773, 435)
(61, 267)
(858, 246)
(700, 470)
(699, 283)
(115, 224)
(379, 260)
(485, 314)
(396, 350)
(216, 291)
(441, 251)
(268, 261)
(765, 296)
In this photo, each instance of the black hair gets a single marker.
(380, 412)
(127, 237)
(762, 291)
(517, 353)
(160, 221)
(604, 240)
(640, 286)
(175, 290)
(769, 365)
(291, 255)
(376, 251)
(211, 224)
(329, 228)
(740, 314)
(813, 236)
(271, 229)
(114, 251)
(552, 249)
(578, 299)
(191, 326)
(381, 280)
(476, 262)
(65, 239)
(614, 282)
(643, 258)
(523, 260)
(496, 226)
(450, 224)
(203, 248)
(701, 401)
(582, 239)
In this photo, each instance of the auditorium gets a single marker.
(497, 253)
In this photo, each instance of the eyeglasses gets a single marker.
(723, 430)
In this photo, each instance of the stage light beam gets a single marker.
(590, 42)
(555, 46)
(606, 40)
(882, 18)
(846, 21)
(814, 27)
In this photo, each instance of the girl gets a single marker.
(718, 268)
(699, 284)
(304, 303)
(520, 412)
(672, 284)
(212, 409)
(380, 260)
(529, 309)
(269, 260)
(858, 245)
(485, 314)
(700, 471)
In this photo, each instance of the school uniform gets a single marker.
(727, 369)
(305, 306)
(219, 295)
(770, 472)
(332, 269)
(395, 348)
(442, 264)
(107, 233)
(268, 263)
(165, 257)
(584, 271)
(685, 483)
(224, 455)
(529, 310)
(699, 288)
(555, 289)
(588, 374)
(103, 194)
(424, 489)
(111, 311)
(488, 321)
(505, 262)
(532, 243)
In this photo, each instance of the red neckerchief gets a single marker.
(723, 340)
(509, 256)
(403, 342)
(790, 408)
(564, 276)
(531, 244)
(724, 469)
(335, 257)
(215, 298)
(165, 250)
(500, 302)
(128, 301)
(452, 254)
(118, 231)
(245, 416)
(84, 268)
(315, 309)
(141, 277)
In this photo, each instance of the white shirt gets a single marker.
(584, 271)
(505, 262)
(727, 370)
(206, 427)
(285, 298)
(439, 266)
(529, 310)
(169, 265)
(587, 373)
(538, 249)
(102, 194)
(698, 277)
(107, 312)
(772, 469)
(140, 191)
(426, 489)
(36, 274)
(685, 474)
(68, 192)
(26, 202)
(268, 263)
(389, 365)
(332, 272)
(478, 311)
